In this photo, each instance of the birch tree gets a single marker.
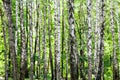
(31, 40)
(57, 39)
(16, 30)
(89, 41)
(44, 42)
(23, 65)
(73, 54)
(97, 29)
(8, 9)
(100, 73)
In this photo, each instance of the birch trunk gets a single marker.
(31, 41)
(97, 33)
(16, 30)
(73, 53)
(8, 8)
(44, 42)
(39, 58)
(23, 65)
(57, 39)
(89, 38)
(100, 74)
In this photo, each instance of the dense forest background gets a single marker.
(59, 39)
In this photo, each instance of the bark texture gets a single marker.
(44, 41)
(16, 30)
(57, 39)
(23, 65)
(97, 36)
(89, 38)
(100, 72)
(73, 53)
(8, 8)
(31, 41)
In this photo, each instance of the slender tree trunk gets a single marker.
(39, 41)
(89, 38)
(7, 6)
(23, 65)
(100, 75)
(31, 41)
(16, 30)
(44, 42)
(5, 46)
(57, 39)
(96, 39)
(73, 53)
(115, 62)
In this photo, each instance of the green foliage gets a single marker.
(80, 5)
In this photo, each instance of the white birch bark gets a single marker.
(57, 38)
(89, 38)
(73, 51)
(31, 40)
(17, 22)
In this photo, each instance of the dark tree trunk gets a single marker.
(7, 6)
(100, 74)
(73, 53)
